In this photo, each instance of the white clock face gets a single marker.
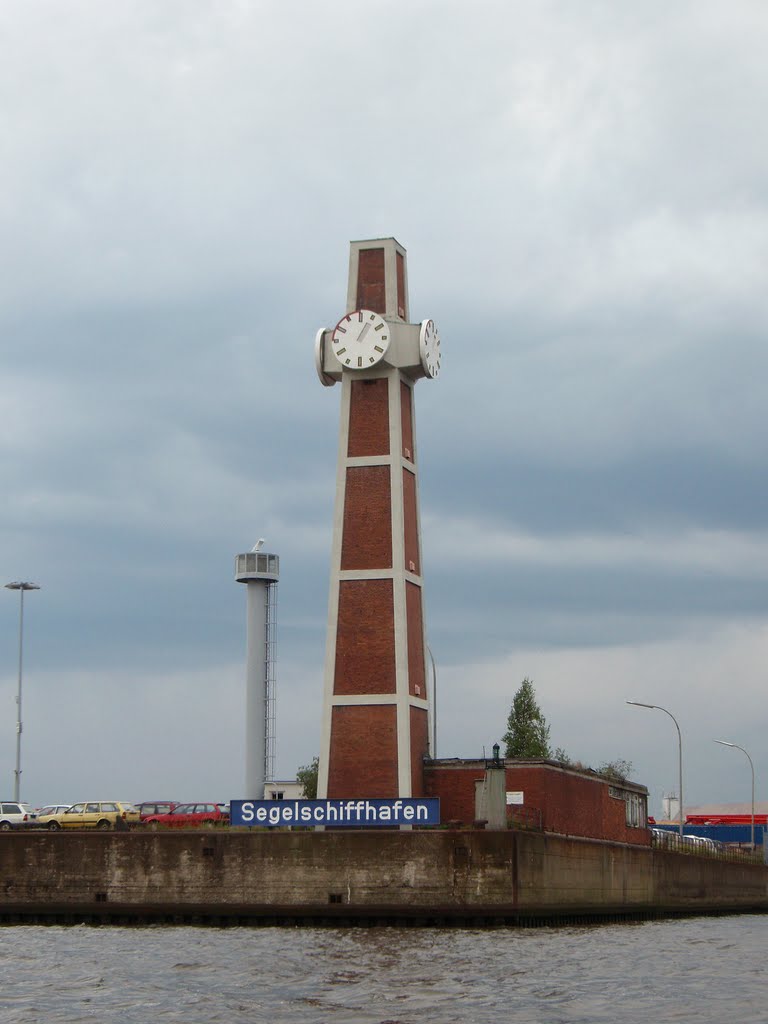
(429, 348)
(360, 339)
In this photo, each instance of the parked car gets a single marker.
(15, 815)
(191, 814)
(103, 814)
(44, 814)
(662, 837)
(149, 808)
(702, 843)
(51, 809)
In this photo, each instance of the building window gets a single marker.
(278, 794)
(634, 805)
(636, 816)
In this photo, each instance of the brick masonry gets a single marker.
(402, 312)
(364, 745)
(416, 677)
(370, 281)
(365, 645)
(419, 749)
(369, 418)
(411, 524)
(569, 802)
(367, 542)
(406, 421)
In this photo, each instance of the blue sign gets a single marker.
(348, 813)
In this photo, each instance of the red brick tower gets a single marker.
(376, 711)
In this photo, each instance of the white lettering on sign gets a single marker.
(352, 813)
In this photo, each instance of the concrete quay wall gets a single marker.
(429, 876)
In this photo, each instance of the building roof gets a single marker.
(479, 764)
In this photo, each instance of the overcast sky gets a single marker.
(582, 191)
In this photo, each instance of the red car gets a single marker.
(191, 814)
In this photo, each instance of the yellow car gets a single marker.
(104, 814)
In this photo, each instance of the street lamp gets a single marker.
(21, 587)
(736, 746)
(434, 702)
(657, 707)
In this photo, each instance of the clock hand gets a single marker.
(362, 334)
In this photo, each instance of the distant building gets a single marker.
(670, 808)
(284, 790)
(727, 810)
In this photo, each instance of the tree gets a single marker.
(619, 769)
(527, 732)
(307, 777)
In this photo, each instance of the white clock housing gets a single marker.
(325, 380)
(360, 339)
(429, 348)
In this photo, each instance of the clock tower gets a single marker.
(376, 714)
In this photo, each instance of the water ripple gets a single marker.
(701, 969)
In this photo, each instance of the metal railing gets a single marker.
(699, 846)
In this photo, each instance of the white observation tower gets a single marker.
(259, 571)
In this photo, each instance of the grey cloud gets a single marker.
(585, 217)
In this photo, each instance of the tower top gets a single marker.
(375, 334)
(378, 278)
(257, 565)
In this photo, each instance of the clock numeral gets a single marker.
(359, 360)
(378, 348)
(341, 351)
(360, 317)
(379, 327)
(341, 330)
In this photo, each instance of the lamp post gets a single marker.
(434, 702)
(657, 707)
(736, 746)
(21, 586)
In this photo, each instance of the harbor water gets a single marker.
(703, 969)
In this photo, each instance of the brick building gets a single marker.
(547, 795)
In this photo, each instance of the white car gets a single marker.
(44, 814)
(15, 815)
(665, 838)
